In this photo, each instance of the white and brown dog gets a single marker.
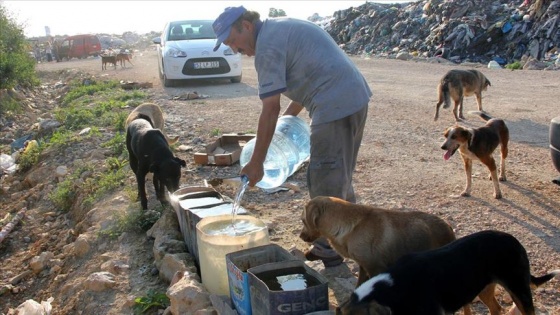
(479, 144)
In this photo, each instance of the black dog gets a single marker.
(149, 151)
(443, 280)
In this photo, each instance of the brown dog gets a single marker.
(479, 144)
(374, 238)
(122, 58)
(457, 84)
(154, 112)
(108, 59)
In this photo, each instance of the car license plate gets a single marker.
(207, 65)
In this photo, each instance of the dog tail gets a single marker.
(480, 114)
(445, 92)
(537, 281)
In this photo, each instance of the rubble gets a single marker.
(458, 30)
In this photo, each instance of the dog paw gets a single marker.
(502, 179)
(498, 196)
(465, 194)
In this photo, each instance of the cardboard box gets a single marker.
(238, 279)
(296, 300)
(224, 151)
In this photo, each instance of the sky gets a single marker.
(117, 17)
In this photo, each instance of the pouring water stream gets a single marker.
(238, 198)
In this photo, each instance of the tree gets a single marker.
(272, 12)
(16, 65)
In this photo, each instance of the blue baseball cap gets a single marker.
(222, 25)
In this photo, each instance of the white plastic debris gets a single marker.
(494, 65)
(7, 164)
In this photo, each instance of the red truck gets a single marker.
(78, 46)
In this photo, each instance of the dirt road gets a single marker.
(400, 164)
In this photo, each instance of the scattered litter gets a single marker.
(130, 85)
(20, 143)
(6, 229)
(189, 96)
(7, 164)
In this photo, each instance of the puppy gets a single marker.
(457, 84)
(479, 144)
(155, 115)
(108, 59)
(149, 151)
(122, 58)
(374, 238)
(442, 280)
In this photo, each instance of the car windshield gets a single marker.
(186, 30)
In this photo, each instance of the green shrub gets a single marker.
(17, 67)
(514, 66)
(79, 90)
(153, 299)
(64, 194)
(29, 157)
(116, 144)
(136, 220)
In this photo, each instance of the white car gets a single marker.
(185, 51)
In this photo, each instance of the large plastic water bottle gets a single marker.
(288, 149)
(298, 131)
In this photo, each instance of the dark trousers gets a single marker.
(334, 152)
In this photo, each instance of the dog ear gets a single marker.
(181, 162)
(488, 82)
(466, 134)
(314, 211)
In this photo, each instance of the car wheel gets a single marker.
(160, 73)
(554, 132)
(167, 82)
(236, 79)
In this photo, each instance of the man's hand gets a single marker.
(254, 171)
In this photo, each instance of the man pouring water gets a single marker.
(299, 60)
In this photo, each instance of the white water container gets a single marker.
(215, 241)
(298, 131)
(288, 149)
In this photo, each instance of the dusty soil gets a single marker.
(400, 164)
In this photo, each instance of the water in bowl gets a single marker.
(238, 228)
(290, 279)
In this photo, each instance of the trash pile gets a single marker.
(457, 30)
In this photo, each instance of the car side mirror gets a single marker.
(157, 40)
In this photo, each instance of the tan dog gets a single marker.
(374, 238)
(108, 59)
(122, 58)
(457, 84)
(154, 112)
(479, 144)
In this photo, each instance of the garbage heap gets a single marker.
(458, 30)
